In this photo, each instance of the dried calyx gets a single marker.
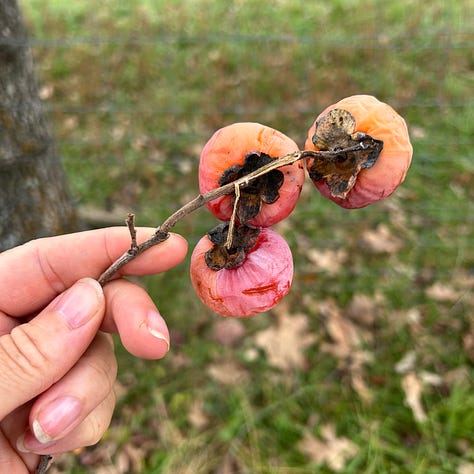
(261, 190)
(221, 255)
(336, 131)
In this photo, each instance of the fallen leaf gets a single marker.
(458, 376)
(381, 240)
(130, 458)
(406, 363)
(360, 387)
(430, 378)
(465, 468)
(329, 449)
(228, 372)
(46, 92)
(346, 345)
(285, 342)
(442, 293)
(329, 261)
(342, 331)
(197, 416)
(413, 316)
(364, 309)
(413, 388)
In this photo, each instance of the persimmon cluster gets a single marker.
(357, 152)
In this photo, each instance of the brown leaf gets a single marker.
(406, 363)
(228, 372)
(459, 376)
(285, 342)
(46, 92)
(442, 293)
(364, 309)
(345, 335)
(329, 449)
(465, 468)
(197, 416)
(347, 341)
(413, 388)
(329, 261)
(381, 240)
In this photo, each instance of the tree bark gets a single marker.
(34, 197)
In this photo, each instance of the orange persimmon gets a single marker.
(239, 148)
(381, 122)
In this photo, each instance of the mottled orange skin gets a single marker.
(381, 122)
(228, 146)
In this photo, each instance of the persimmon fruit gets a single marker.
(247, 284)
(242, 267)
(238, 149)
(376, 178)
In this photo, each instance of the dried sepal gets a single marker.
(262, 190)
(220, 255)
(336, 131)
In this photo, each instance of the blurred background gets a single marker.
(367, 365)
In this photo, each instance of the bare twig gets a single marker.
(133, 232)
(43, 464)
(162, 232)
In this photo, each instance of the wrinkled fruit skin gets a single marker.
(381, 122)
(228, 147)
(254, 287)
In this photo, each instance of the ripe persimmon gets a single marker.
(238, 149)
(253, 280)
(380, 172)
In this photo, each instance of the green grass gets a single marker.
(136, 88)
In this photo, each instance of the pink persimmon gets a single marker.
(382, 123)
(234, 151)
(254, 286)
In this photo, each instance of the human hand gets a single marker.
(57, 365)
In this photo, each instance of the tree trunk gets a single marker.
(34, 199)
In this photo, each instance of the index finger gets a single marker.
(32, 274)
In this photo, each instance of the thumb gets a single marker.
(38, 353)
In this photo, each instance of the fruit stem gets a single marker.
(162, 232)
(230, 233)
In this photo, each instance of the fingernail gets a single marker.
(56, 418)
(27, 443)
(20, 444)
(157, 327)
(51, 423)
(79, 303)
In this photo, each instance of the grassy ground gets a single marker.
(367, 367)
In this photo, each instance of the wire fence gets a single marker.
(442, 43)
(112, 96)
